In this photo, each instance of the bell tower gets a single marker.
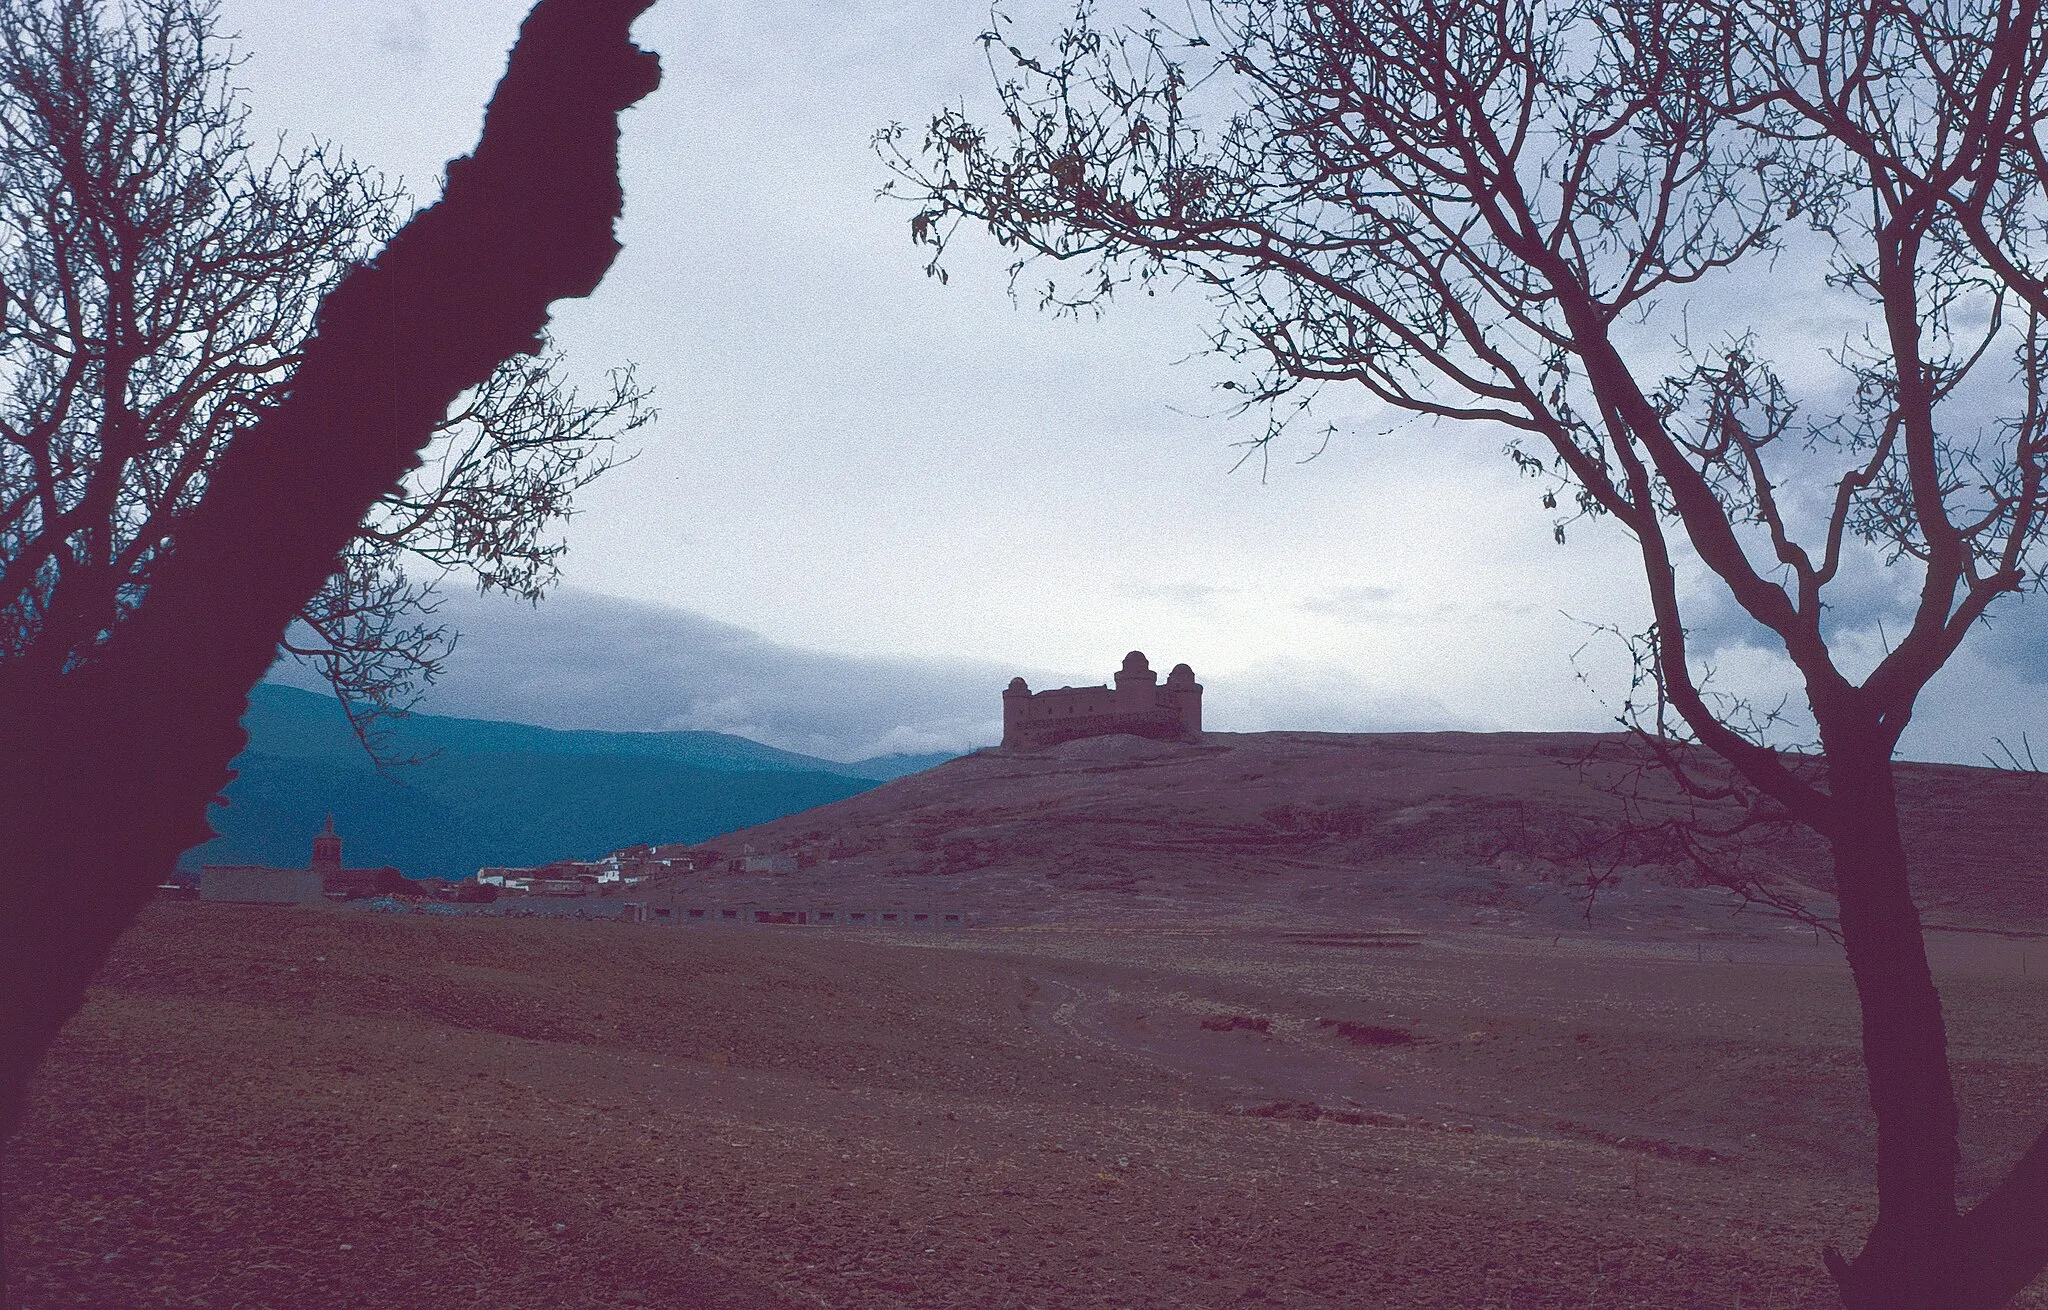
(327, 849)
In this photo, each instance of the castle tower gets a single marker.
(1016, 704)
(1137, 686)
(327, 849)
(1185, 695)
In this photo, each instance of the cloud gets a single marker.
(1378, 606)
(1295, 696)
(2014, 638)
(403, 33)
(1715, 623)
(1980, 706)
(585, 660)
(1989, 692)
(1353, 602)
(1865, 600)
(1178, 593)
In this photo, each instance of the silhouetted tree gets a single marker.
(116, 736)
(160, 284)
(1499, 212)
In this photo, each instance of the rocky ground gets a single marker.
(306, 1108)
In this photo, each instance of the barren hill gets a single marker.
(1514, 829)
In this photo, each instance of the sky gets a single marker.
(870, 498)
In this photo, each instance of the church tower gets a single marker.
(327, 849)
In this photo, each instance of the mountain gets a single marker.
(492, 793)
(1512, 829)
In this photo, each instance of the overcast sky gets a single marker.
(871, 498)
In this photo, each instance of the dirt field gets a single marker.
(314, 1108)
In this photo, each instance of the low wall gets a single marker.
(728, 916)
(757, 916)
(252, 885)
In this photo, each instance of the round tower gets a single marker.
(1016, 704)
(1137, 686)
(1185, 694)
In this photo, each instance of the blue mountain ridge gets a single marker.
(484, 792)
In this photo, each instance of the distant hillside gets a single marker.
(502, 793)
(1412, 827)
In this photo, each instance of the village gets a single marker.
(618, 886)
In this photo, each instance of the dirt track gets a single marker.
(280, 1108)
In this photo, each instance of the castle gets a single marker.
(1137, 704)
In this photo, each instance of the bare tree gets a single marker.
(161, 283)
(120, 712)
(1500, 212)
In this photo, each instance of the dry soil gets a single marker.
(309, 1108)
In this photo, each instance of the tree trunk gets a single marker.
(1913, 1257)
(107, 768)
(1921, 1254)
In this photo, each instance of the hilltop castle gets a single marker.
(1137, 704)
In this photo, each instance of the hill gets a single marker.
(1514, 829)
(486, 792)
